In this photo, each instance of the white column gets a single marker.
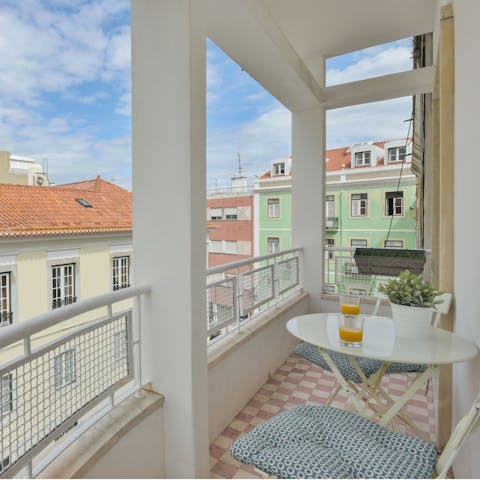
(168, 64)
(308, 185)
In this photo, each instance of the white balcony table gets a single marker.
(381, 343)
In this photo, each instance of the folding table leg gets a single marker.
(407, 395)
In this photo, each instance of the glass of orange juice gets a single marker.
(351, 330)
(350, 304)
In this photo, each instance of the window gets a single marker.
(329, 244)
(5, 299)
(231, 247)
(273, 245)
(216, 214)
(64, 368)
(279, 168)
(120, 345)
(6, 394)
(216, 246)
(329, 206)
(393, 243)
(273, 207)
(362, 158)
(359, 204)
(230, 213)
(63, 285)
(393, 203)
(358, 242)
(396, 154)
(121, 272)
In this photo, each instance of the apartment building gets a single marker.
(19, 170)
(230, 223)
(366, 202)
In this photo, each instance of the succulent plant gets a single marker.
(410, 290)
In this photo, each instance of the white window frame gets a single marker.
(5, 298)
(216, 213)
(216, 246)
(4, 463)
(230, 247)
(329, 206)
(278, 168)
(397, 157)
(399, 244)
(120, 272)
(397, 204)
(64, 369)
(357, 204)
(364, 242)
(360, 158)
(6, 397)
(120, 347)
(273, 207)
(273, 245)
(58, 295)
(230, 213)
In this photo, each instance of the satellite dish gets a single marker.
(39, 180)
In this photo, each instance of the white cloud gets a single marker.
(258, 141)
(124, 106)
(381, 61)
(369, 122)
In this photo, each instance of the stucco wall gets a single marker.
(234, 380)
(466, 377)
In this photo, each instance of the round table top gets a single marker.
(380, 341)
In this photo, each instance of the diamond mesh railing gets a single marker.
(239, 291)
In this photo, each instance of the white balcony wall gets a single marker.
(169, 92)
(467, 228)
(259, 350)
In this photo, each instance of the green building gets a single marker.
(365, 203)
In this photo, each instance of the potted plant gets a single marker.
(413, 302)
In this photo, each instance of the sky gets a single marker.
(65, 96)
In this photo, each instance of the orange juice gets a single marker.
(351, 334)
(348, 309)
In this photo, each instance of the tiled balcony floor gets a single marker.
(298, 382)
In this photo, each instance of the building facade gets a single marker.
(230, 224)
(366, 202)
(18, 170)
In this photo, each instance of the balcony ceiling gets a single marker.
(334, 27)
(282, 43)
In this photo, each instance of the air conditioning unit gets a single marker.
(40, 179)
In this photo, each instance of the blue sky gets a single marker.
(65, 95)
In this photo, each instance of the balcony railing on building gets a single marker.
(342, 275)
(331, 223)
(59, 373)
(238, 292)
(6, 318)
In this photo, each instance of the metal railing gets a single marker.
(331, 223)
(342, 276)
(62, 302)
(239, 291)
(52, 374)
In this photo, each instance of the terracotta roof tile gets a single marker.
(27, 211)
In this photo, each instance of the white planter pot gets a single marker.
(412, 322)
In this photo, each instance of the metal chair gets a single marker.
(320, 441)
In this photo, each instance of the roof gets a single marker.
(28, 211)
(337, 159)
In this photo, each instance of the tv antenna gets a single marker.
(239, 160)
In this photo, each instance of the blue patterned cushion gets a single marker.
(313, 441)
(368, 365)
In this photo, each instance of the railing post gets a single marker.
(238, 299)
(137, 351)
(276, 279)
